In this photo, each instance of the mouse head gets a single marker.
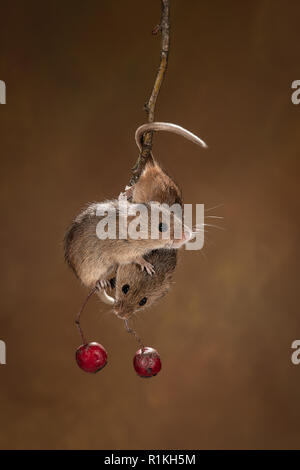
(157, 225)
(135, 290)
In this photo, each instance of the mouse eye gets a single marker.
(162, 227)
(125, 288)
(143, 301)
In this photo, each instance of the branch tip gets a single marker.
(149, 107)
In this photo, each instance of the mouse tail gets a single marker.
(168, 127)
(107, 299)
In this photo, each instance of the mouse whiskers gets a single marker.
(199, 227)
(214, 207)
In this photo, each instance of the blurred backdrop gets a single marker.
(77, 76)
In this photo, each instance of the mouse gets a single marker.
(132, 290)
(136, 291)
(94, 259)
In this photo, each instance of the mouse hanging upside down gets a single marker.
(133, 290)
(94, 258)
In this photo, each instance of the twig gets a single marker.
(133, 332)
(164, 28)
(77, 321)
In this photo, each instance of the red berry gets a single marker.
(147, 362)
(91, 357)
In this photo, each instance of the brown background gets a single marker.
(77, 75)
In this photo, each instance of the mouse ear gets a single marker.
(107, 299)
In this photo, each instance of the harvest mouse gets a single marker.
(133, 289)
(93, 259)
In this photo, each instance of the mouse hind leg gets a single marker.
(127, 194)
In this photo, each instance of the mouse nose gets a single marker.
(187, 234)
(122, 311)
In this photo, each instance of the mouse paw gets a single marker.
(148, 267)
(103, 284)
(127, 194)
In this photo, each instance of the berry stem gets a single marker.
(133, 332)
(77, 321)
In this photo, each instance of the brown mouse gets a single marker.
(93, 259)
(134, 290)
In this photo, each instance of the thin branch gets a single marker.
(164, 28)
(133, 332)
(77, 321)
